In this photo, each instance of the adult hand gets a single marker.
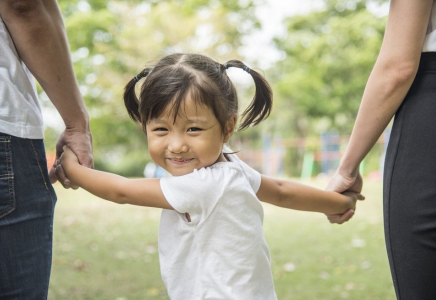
(80, 142)
(341, 183)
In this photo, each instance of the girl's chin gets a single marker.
(179, 171)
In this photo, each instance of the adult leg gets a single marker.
(410, 193)
(27, 202)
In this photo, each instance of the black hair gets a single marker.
(178, 75)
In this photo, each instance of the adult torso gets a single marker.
(20, 113)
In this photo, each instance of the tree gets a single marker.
(112, 41)
(329, 55)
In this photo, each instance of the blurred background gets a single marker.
(317, 56)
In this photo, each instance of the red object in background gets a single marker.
(51, 157)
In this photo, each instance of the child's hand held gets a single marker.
(67, 159)
(353, 197)
(68, 156)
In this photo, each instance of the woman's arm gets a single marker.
(388, 84)
(115, 188)
(289, 194)
(390, 79)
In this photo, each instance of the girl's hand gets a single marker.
(68, 157)
(80, 141)
(353, 197)
(65, 161)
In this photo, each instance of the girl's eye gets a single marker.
(160, 129)
(194, 129)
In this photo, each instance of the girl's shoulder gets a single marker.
(217, 172)
(214, 174)
(253, 176)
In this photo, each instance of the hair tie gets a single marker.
(225, 66)
(246, 69)
(137, 77)
(142, 75)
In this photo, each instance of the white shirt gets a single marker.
(222, 253)
(430, 38)
(20, 113)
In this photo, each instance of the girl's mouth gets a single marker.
(179, 161)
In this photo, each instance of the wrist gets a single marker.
(79, 122)
(69, 168)
(347, 203)
(66, 165)
(348, 168)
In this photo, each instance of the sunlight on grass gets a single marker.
(109, 251)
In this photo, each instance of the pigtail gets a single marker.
(261, 105)
(130, 100)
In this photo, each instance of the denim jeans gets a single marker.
(27, 202)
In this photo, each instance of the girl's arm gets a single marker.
(289, 194)
(388, 84)
(115, 188)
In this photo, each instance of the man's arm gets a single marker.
(38, 32)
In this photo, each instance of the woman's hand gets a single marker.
(340, 183)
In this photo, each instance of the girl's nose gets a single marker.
(177, 145)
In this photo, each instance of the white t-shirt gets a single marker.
(20, 113)
(430, 38)
(222, 253)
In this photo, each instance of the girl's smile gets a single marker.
(180, 161)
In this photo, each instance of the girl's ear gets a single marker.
(230, 128)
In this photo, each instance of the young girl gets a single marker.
(211, 243)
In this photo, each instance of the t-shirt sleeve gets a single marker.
(196, 193)
(253, 176)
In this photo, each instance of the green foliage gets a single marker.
(113, 41)
(328, 59)
(328, 56)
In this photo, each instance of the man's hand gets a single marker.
(80, 142)
(38, 32)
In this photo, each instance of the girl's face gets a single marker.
(195, 140)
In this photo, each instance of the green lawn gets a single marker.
(108, 251)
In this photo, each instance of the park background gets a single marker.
(317, 56)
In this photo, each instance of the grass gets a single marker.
(108, 251)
